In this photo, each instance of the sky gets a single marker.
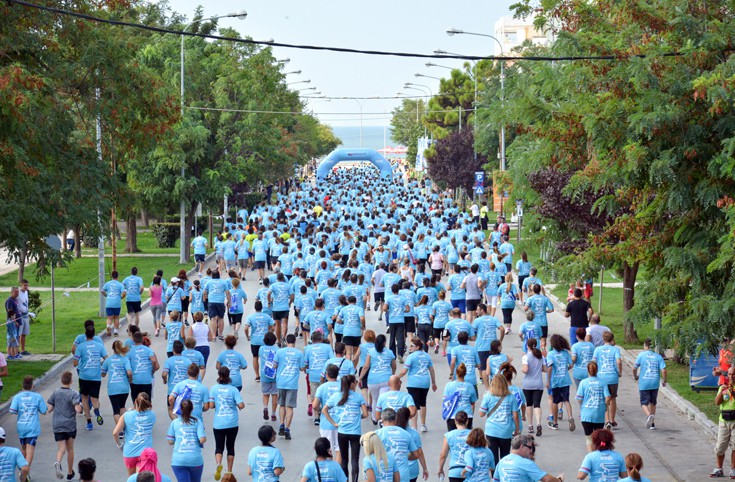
(399, 25)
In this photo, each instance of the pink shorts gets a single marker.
(131, 462)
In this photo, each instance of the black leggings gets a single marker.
(507, 315)
(225, 438)
(352, 443)
(500, 447)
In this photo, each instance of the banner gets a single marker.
(423, 144)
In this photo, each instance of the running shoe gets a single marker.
(89, 427)
(572, 426)
(100, 420)
(273, 418)
(538, 430)
(109, 331)
(316, 421)
(25, 353)
(560, 415)
(59, 472)
(653, 427)
(732, 472)
(71, 476)
(550, 423)
(615, 425)
(716, 473)
(555, 426)
(309, 411)
(218, 472)
(281, 430)
(649, 421)
(287, 434)
(436, 349)
(444, 354)
(158, 331)
(115, 333)
(530, 430)
(265, 414)
(424, 429)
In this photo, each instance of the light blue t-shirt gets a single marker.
(317, 320)
(394, 399)
(238, 297)
(500, 424)
(329, 471)
(259, 324)
(514, 468)
(176, 367)
(418, 364)
(382, 473)
(281, 293)
(486, 329)
(349, 415)
(133, 284)
(650, 365)
(440, 311)
(138, 432)
(607, 357)
(468, 355)
(200, 245)
(226, 399)
(346, 367)
(185, 436)
(315, 359)
(592, 393)
(558, 363)
(507, 298)
(603, 466)
(478, 462)
(11, 460)
(457, 441)
(539, 304)
(199, 395)
(28, 405)
(116, 370)
(530, 329)
(173, 333)
(467, 396)
(351, 316)
(173, 298)
(494, 362)
(396, 309)
(89, 355)
(290, 362)
(454, 327)
(140, 362)
(582, 352)
(380, 366)
(114, 290)
(323, 394)
(266, 352)
(235, 361)
(455, 283)
(262, 461)
(399, 444)
(215, 290)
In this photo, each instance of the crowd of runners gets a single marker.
(324, 255)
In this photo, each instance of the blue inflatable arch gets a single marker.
(339, 155)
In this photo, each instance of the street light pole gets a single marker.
(183, 259)
(360, 104)
(474, 101)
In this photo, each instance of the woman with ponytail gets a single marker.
(634, 464)
(603, 460)
(350, 408)
(379, 466)
(533, 368)
(187, 461)
(137, 425)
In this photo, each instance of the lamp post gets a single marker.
(427, 76)
(306, 88)
(454, 31)
(408, 85)
(299, 82)
(431, 64)
(474, 102)
(284, 61)
(360, 104)
(293, 72)
(182, 221)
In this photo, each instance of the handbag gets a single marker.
(449, 405)
(728, 415)
(269, 367)
(184, 395)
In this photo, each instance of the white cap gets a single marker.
(175, 279)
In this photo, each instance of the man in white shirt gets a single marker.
(475, 209)
(25, 325)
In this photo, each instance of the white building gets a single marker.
(512, 32)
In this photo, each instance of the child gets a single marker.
(27, 405)
(65, 403)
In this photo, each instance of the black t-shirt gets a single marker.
(578, 311)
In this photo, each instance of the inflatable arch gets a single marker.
(339, 155)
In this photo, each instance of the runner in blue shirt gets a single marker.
(396, 306)
(119, 372)
(265, 463)
(238, 299)
(377, 465)
(217, 296)
(256, 326)
(593, 396)
(186, 434)
(133, 288)
(379, 365)
(27, 405)
(559, 361)
(420, 370)
(440, 316)
(144, 364)
(11, 459)
(323, 469)
(345, 410)
(114, 292)
(289, 364)
(603, 464)
(540, 305)
(200, 251)
(652, 373)
(226, 401)
(234, 360)
(88, 357)
(138, 427)
(610, 366)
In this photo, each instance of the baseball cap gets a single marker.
(175, 279)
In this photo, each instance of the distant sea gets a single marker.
(372, 136)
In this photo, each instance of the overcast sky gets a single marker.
(399, 25)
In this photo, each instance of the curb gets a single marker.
(693, 413)
(64, 364)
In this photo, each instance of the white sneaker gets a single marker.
(59, 472)
(649, 421)
(424, 429)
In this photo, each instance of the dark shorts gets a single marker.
(649, 397)
(112, 311)
(418, 395)
(199, 258)
(259, 264)
(280, 315)
(590, 427)
(472, 304)
(461, 304)
(29, 441)
(62, 436)
(410, 324)
(533, 397)
(254, 349)
(234, 318)
(613, 387)
(438, 332)
(118, 402)
(351, 340)
(379, 296)
(185, 305)
(133, 306)
(216, 310)
(484, 355)
(89, 387)
(544, 331)
(560, 394)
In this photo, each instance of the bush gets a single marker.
(166, 234)
(34, 304)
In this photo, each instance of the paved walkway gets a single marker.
(677, 451)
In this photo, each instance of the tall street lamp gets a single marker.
(428, 76)
(474, 102)
(409, 85)
(300, 82)
(431, 64)
(454, 31)
(305, 89)
(293, 72)
(182, 221)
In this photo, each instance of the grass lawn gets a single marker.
(71, 312)
(84, 270)
(678, 374)
(147, 244)
(19, 369)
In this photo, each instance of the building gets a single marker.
(512, 32)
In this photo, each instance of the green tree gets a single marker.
(406, 123)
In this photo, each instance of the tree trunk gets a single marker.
(78, 241)
(629, 276)
(131, 235)
(144, 218)
(22, 264)
(187, 231)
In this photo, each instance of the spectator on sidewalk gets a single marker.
(725, 401)
(12, 311)
(65, 403)
(25, 322)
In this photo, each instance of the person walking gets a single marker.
(256, 326)
(234, 360)
(25, 322)
(350, 408)
(454, 446)
(593, 397)
(138, 427)
(398, 443)
(582, 353)
(144, 364)
(603, 463)
(378, 465)
(503, 420)
(322, 395)
(652, 374)
(479, 462)
(203, 336)
(508, 293)
(578, 311)
(120, 373)
(520, 465)
(559, 361)
(198, 395)
(114, 292)
(186, 434)
(610, 369)
(155, 292)
(289, 363)
(323, 467)
(134, 288)
(725, 401)
(533, 366)
(12, 460)
(226, 401)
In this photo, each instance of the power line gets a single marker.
(332, 49)
(286, 112)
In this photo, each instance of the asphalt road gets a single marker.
(676, 451)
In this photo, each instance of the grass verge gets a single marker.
(71, 312)
(19, 369)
